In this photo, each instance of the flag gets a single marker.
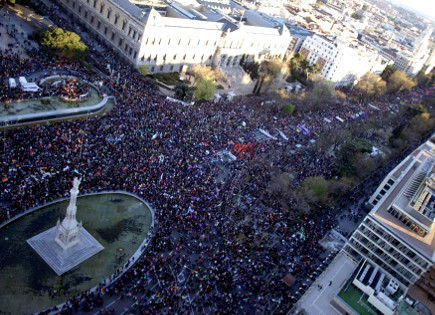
(241, 11)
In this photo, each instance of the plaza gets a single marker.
(223, 239)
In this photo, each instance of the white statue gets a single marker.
(68, 231)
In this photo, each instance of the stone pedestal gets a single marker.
(59, 259)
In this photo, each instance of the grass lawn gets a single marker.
(355, 299)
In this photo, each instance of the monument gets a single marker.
(68, 231)
(68, 243)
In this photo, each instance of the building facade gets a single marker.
(177, 37)
(398, 234)
(341, 63)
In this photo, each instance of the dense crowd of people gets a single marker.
(220, 246)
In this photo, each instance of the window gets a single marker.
(134, 34)
(86, 14)
(169, 41)
(149, 58)
(160, 41)
(116, 19)
(188, 42)
(142, 59)
(113, 36)
(193, 57)
(105, 30)
(198, 41)
(124, 24)
(95, 3)
(130, 51)
(125, 47)
(139, 37)
(135, 55)
(175, 57)
(206, 43)
(80, 9)
(109, 12)
(120, 42)
(152, 69)
(74, 4)
(101, 8)
(92, 19)
(184, 57)
(98, 25)
(161, 68)
(179, 41)
(129, 30)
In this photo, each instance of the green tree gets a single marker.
(349, 155)
(63, 43)
(143, 69)
(398, 81)
(301, 69)
(183, 92)
(288, 108)
(370, 85)
(315, 190)
(201, 72)
(205, 89)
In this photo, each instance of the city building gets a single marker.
(398, 236)
(412, 61)
(340, 62)
(177, 36)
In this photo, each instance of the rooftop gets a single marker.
(409, 177)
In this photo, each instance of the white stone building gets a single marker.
(341, 63)
(176, 37)
(414, 60)
(398, 235)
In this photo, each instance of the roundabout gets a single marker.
(119, 221)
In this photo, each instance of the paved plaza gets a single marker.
(316, 300)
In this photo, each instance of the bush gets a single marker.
(288, 108)
(171, 78)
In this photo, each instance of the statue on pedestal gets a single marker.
(67, 231)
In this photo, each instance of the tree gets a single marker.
(143, 69)
(63, 43)
(320, 96)
(301, 69)
(288, 108)
(422, 79)
(348, 156)
(269, 71)
(315, 190)
(398, 82)
(370, 85)
(206, 73)
(388, 71)
(205, 89)
(183, 92)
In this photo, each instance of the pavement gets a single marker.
(316, 300)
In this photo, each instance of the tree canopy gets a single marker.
(63, 43)
(320, 96)
(301, 69)
(398, 82)
(201, 72)
(370, 85)
(205, 89)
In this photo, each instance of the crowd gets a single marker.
(219, 246)
(72, 89)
